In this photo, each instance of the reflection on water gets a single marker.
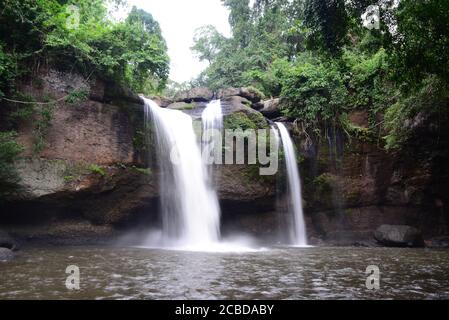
(277, 273)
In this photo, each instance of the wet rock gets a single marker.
(315, 241)
(399, 236)
(281, 119)
(6, 241)
(71, 233)
(258, 106)
(347, 237)
(196, 94)
(271, 108)
(262, 225)
(6, 254)
(438, 242)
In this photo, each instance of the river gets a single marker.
(270, 273)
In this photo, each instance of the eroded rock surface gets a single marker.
(399, 236)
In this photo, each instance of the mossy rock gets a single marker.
(259, 120)
(243, 121)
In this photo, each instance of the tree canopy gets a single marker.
(320, 58)
(79, 35)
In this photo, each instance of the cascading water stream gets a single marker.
(212, 119)
(213, 116)
(189, 206)
(298, 228)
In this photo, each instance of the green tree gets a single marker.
(327, 24)
(208, 43)
(313, 91)
(422, 40)
(261, 35)
(240, 20)
(37, 31)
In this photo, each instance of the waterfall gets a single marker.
(212, 119)
(189, 206)
(213, 116)
(297, 228)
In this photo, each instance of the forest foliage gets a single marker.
(318, 56)
(80, 36)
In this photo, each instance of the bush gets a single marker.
(7, 71)
(96, 169)
(412, 111)
(9, 151)
(368, 79)
(313, 90)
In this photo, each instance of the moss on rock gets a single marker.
(243, 121)
(239, 120)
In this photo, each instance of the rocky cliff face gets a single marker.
(95, 176)
(352, 186)
(90, 174)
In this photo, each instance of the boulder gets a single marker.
(6, 241)
(6, 254)
(399, 236)
(235, 104)
(271, 108)
(248, 93)
(239, 115)
(163, 102)
(228, 92)
(196, 94)
(258, 106)
(251, 94)
(438, 242)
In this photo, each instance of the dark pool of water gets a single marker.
(276, 273)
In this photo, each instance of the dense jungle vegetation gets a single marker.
(320, 58)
